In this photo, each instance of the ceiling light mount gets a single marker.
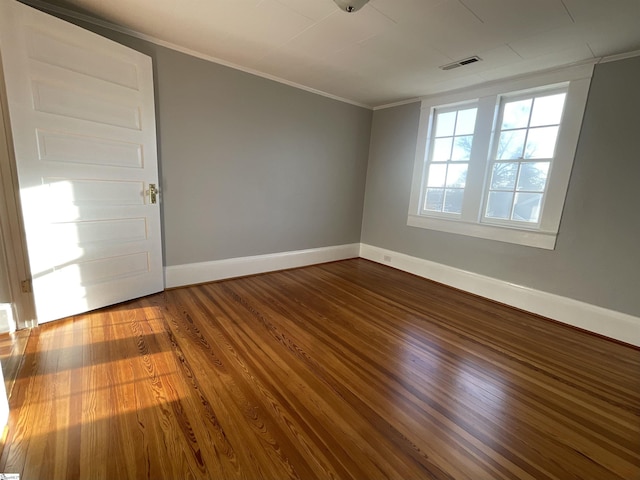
(350, 6)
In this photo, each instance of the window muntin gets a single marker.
(536, 220)
(449, 155)
(524, 148)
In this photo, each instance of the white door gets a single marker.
(82, 117)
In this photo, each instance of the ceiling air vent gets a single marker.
(461, 63)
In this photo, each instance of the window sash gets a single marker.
(426, 188)
(515, 192)
(488, 99)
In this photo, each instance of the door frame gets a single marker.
(11, 227)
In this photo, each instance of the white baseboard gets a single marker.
(193, 273)
(612, 324)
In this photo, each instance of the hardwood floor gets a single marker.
(343, 370)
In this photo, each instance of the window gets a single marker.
(449, 153)
(495, 163)
(525, 146)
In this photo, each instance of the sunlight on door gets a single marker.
(53, 244)
(79, 251)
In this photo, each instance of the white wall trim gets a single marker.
(193, 273)
(531, 238)
(40, 5)
(620, 56)
(610, 323)
(397, 104)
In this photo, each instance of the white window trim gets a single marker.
(469, 222)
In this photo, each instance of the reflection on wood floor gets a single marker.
(342, 370)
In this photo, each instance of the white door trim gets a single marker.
(11, 222)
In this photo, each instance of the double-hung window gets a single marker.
(449, 156)
(495, 162)
(523, 151)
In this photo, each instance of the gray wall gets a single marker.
(250, 166)
(597, 256)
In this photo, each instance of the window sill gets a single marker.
(530, 238)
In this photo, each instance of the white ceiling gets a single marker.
(391, 49)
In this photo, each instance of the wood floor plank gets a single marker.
(346, 370)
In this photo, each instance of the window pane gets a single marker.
(511, 145)
(541, 142)
(504, 176)
(533, 176)
(453, 201)
(434, 198)
(527, 207)
(442, 149)
(445, 123)
(547, 110)
(462, 148)
(499, 205)
(516, 114)
(457, 175)
(437, 175)
(466, 121)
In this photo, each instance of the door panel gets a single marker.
(68, 148)
(54, 51)
(83, 124)
(69, 100)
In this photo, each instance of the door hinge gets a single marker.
(26, 286)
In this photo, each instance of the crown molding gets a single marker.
(58, 10)
(619, 56)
